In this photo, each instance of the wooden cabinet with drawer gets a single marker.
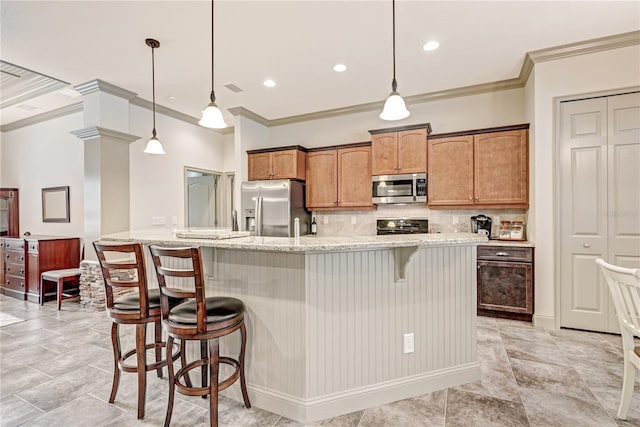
(505, 281)
(25, 259)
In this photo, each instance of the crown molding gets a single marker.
(43, 117)
(243, 112)
(143, 103)
(94, 132)
(102, 86)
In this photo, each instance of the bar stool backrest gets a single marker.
(123, 266)
(180, 279)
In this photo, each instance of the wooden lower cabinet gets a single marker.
(339, 179)
(505, 282)
(25, 259)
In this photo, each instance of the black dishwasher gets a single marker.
(505, 282)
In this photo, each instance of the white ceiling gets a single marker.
(295, 43)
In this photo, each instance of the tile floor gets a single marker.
(530, 377)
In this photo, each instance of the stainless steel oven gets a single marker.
(403, 188)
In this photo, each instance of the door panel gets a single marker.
(384, 151)
(412, 151)
(322, 179)
(354, 176)
(600, 203)
(450, 168)
(583, 204)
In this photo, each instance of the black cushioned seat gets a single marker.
(219, 309)
(131, 301)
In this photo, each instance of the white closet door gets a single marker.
(583, 213)
(600, 203)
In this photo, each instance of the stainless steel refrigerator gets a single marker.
(269, 208)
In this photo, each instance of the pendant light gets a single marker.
(212, 116)
(394, 107)
(153, 146)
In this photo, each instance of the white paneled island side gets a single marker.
(327, 317)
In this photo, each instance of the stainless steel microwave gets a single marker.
(403, 188)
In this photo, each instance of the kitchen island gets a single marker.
(344, 323)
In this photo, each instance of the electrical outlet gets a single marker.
(407, 343)
(454, 219)
(326, 219)
(158, 220)
(353, 219)
(174, 220)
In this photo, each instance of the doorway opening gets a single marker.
(203, 200)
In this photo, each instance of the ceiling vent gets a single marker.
(233, 88)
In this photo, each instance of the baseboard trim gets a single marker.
(547, 322)
(332, 405)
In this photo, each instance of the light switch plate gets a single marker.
(353, 219)
(326, 219)
(158, 220)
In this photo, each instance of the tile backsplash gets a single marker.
(363, 223)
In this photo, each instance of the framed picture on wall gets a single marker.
(55, 204)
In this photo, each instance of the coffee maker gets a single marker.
(481, 222)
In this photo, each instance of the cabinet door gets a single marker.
(322, 179)
(354, 177)
(501, 168)
(412, 151)
(288, 164)
(384, 154)
(505, 286)
(259, 166)
(450, 179)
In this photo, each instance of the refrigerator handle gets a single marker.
(259, 216)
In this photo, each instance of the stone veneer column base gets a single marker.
(92, 286)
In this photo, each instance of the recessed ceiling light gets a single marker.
(269, 83)
(431, 45)
(339, 68)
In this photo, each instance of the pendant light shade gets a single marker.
(212, 116)
(394, 107)
(153, 146)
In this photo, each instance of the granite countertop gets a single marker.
(304, 244)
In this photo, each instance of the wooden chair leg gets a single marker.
(214, 354)
(41, 291)
(60, 289)
(172, 384)
(203, 369)
(141, 355)
(243, 383)
(115, 342)
(158, 349)
(183, 362)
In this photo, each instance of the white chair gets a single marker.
(624, 284)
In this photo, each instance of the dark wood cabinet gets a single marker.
(505, 282)
(25, 259)
(9, 212)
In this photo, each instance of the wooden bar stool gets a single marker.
(123, 266)
(180, 275)
(60, 277)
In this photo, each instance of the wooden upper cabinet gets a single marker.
(399, 152)
(354, 177)
(384, 150)
(278, 164)
(501, 168)
(339, 179)
(489, 170)
(322, 179)
(450, 180)
(412, 151)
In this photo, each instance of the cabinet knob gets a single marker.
(22, 271)
(7, 256)
(21, 258)
(22, 285)
(477, 199)
(586, 245)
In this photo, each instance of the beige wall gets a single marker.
(576, 75)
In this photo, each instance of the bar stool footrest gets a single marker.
(203, 391)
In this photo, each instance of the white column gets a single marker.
(106, 159)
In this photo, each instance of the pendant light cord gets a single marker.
(213, 95)
(394, 84)
(153, 88)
